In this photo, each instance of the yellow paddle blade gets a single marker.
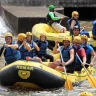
(68, 84)
(92, 81)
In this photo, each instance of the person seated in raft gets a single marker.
(9, 49)
(75, 32)
(54, 20)
(90, 53)
(94, 29)
(24, 47)
(34, 47)
(67, 54)
(81, 53)
(73, 21)
(43, 45)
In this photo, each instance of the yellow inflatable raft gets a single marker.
(52, 35)
(37, 76)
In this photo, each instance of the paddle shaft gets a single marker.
(21, 45)
(82, 29)
(86, 71)
(3, 52)
(62, 59)
(81, 62)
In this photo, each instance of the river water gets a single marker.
(4, 91)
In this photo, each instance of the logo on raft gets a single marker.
(24, 67)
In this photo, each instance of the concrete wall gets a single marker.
(24, 2)
(57, 3)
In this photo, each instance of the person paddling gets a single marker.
(54, 20)
(43, 45)
(81, 53)
(34, 47)
(90, 53)
(67, 54)
(24, 47)
(75, 32)
(9, 48)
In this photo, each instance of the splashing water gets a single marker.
(3, 29)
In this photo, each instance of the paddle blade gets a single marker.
(92, 81)
(68, 84)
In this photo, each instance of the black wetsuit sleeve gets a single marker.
(1, 50)
(51, 48)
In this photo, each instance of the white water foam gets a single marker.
(3, 27)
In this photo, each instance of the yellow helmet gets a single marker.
(84, 36)
(8, 34)
(21, 36)
(28, 33)
(67, 38)
(42, 34)
(77, 39)
(86, 94)
(74, 13)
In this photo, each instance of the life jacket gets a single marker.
(11, 55)
(32, 53)
(43, 46)
(65, 53)
(49, 19)
(94, 28)
(77, 61)
(88, 55)
(74, 36)
(24, 52)
(69, 24)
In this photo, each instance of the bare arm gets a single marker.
(92, 57)
(15, 46)
(36, 47)
(72, 24)
(55, 51)
(71, 57)
(27, 46)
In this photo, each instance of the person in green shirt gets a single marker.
(54, 20)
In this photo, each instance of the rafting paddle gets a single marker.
(91, 79)
(68, 84)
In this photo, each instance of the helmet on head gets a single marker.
(28, 34)
(67, 38)
(74, 13)
(76, 27)
(42, 34)
(8, 34)
(85, 37)
(86, 94)
(51, 7)
(21, 36)
(77, 39)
